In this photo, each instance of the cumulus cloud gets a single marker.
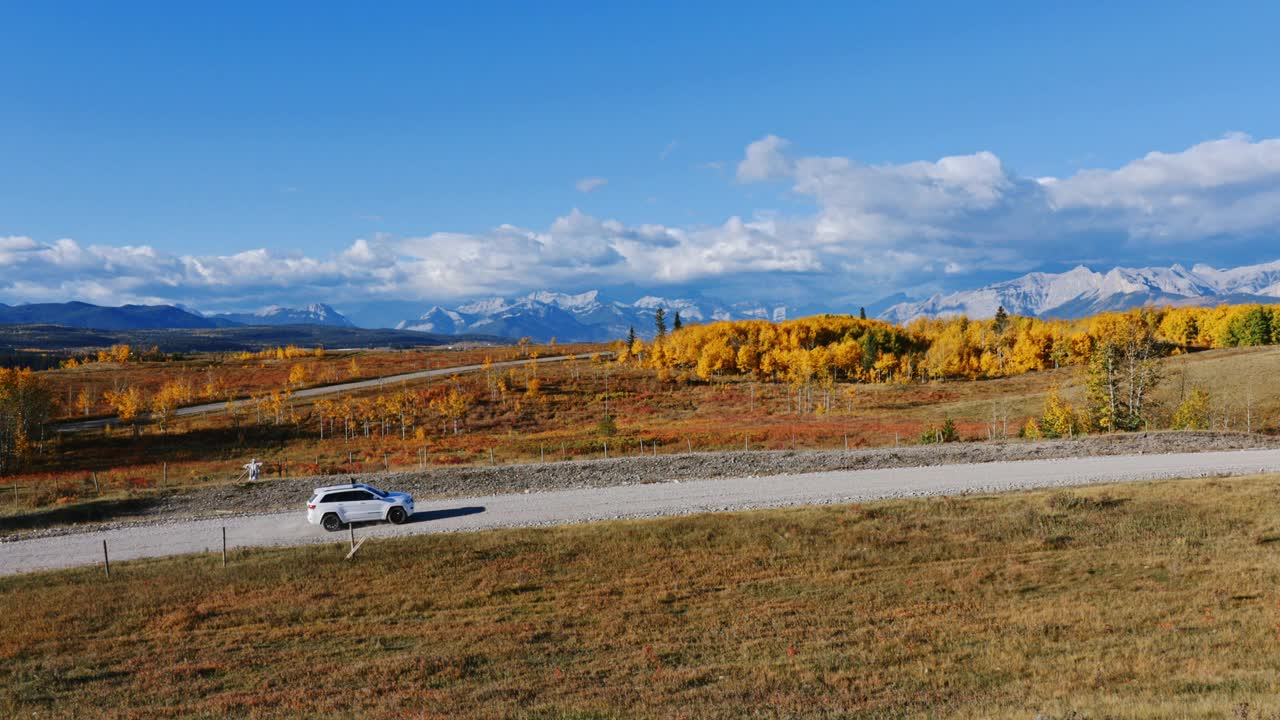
(575, 248)
(872, 229)
(588, 184)
(975, 211)
(765, 160)
(1224, 186)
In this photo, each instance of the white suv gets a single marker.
(335, 506)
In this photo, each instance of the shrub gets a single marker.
(607, 427)
(1058, 419)
(1193, 413)
(944, 433)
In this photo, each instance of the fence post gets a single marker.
(690, 444)
(352, 528)
(386, 462)
(164, 474)
(542, 453)
(744, 442)
(106, 559)
(96, 491)
(224, 546)
(606, 449)
(491, 460)
(846, 441)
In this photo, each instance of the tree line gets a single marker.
(855, 349)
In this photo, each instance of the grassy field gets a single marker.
(1144, 600)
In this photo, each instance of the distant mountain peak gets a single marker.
(1082, 291)
(584, 316)
(313, 314)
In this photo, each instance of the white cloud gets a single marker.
(666, 151)
(977, 213)
(1225, 186)
(873, 229)
(765, 160)
(589, 184)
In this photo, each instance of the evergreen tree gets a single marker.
(660, 322)
(862, 313)
(631, 337)
(870, 351)
(1002, 319)
(677, 324)
(1253, 328)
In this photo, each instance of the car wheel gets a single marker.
(397, 515)
(331, 522)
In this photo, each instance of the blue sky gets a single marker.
(240, 154)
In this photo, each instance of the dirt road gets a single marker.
(190, 410)
(632, 501)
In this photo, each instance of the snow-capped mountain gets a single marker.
(1081, 291)
(582, 317)
(315, 314)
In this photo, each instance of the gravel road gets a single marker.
(631, 501)
(461, 482)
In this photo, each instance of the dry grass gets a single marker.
(1151, 600)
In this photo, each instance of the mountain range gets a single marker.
(584, 317)
(150, 317)
(592, 316)
(314, 314)
(1081, 291)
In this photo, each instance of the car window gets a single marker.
(376, 491)
(347, 496)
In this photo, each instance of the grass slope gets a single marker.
(1149, 600)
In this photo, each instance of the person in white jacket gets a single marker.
(253, 467)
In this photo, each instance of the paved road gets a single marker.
(572, 506)
(328, 390)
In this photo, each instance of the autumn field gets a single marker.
(825, 382)
(83, 383)
(501, 421)
(1133, 601)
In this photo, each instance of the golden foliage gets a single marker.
(171, 395)
(117, 354)
(1193, 412)
(26, 403)
(848, 348)
(128, 404)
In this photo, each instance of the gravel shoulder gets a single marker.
(275, 496)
